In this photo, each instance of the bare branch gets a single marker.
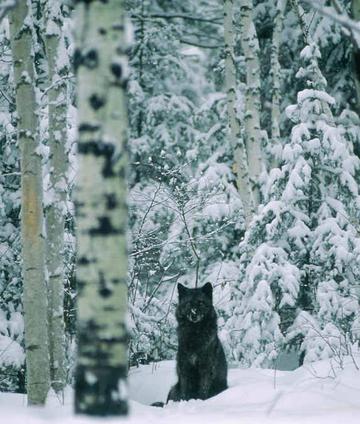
(203, 46)
(215, 20)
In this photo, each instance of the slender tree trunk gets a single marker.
(34, 294)
(101, 209)
(253, 133)
(355, 9)
(276, 80)
(55, 222)
(240, 157)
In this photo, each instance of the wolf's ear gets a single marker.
(207, 289)
(182, 290)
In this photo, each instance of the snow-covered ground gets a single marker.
(317, 394)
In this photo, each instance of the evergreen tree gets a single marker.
(293, 266)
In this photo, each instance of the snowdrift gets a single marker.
(320, 393)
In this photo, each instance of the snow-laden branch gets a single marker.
(341, 18)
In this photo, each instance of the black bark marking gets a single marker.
(100, 148)
(111, 201)
(88, 127)
(83, 260)
(89, 59)
(96, 101)
(118, 27)
(77, 59)
(104, 289)
(116, 70)
(119, 281)
(105, 228)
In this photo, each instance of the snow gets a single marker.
(320, 393)
(11, 353)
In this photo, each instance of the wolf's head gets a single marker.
(195, 304)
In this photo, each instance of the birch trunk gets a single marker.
(253, 134)
(240, 157)
(55, 222)
(34, 291)
(101, 210)
(355, 9)
(276, 81)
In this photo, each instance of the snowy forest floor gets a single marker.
(313, 394)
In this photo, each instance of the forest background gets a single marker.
(244, 171)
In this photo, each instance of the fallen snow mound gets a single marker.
(315, 393)
(320, 393)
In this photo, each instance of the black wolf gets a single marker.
(201, 364)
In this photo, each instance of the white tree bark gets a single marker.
(101, 209)
(58, 164)
(276, 81)
(253, 134)
(240, 157)
(34, 292)
(355, 8)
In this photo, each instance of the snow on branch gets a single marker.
(337, 16)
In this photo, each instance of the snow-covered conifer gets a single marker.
(12, 355)
(296, 259)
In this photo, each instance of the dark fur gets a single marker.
(201, 364)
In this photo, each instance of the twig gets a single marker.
(193, 247)
(203, 46)
(216, 20)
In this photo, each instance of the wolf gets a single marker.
(200, 363)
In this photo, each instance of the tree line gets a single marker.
(243, 146)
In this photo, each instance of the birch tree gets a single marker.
(101, 200)
(240, 156)
(276, 80)
(253, 134)
(34, 291)
(57, 70)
